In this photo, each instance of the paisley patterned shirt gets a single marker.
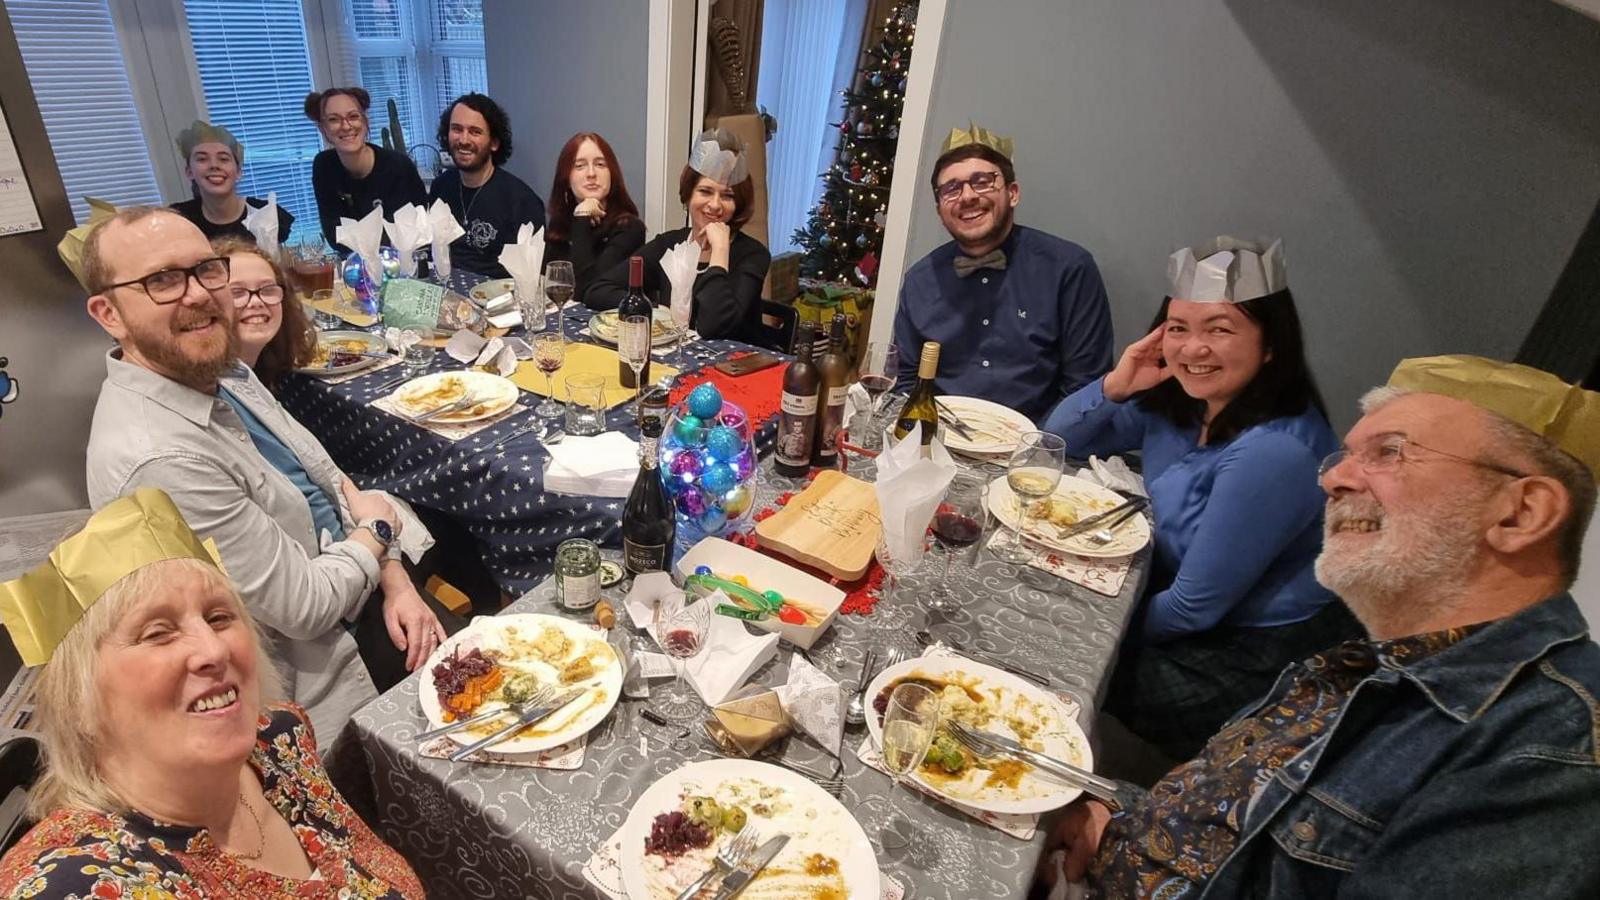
(1169, 845)
(78, 853)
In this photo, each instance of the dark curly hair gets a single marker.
(499, 124)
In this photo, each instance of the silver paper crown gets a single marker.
(1227, 270)
(709, 157)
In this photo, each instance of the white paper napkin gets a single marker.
(814, 702)
(464, 346)
(649, 590)
(909, 488)
(1114, 474)
(445, 229)
(524, 258)
(731, 655)
(604, 465)
(856, 400)
(401, 340)
(681, 264)
(364, 237)
(408, 229)
(262, 223)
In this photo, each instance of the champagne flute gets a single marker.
(957, 525)
(892, 617)
(559, 285)
(909, 723)
(1033, 473)
(880, 367)
(633, 345)
(682, 634)
(549, 353)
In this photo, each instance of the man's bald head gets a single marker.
(98, 261)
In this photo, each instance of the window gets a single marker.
(80, 80)
(419, 53)
(255, 72)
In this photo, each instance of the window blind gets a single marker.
(80, 81)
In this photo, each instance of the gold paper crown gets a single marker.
(1567, 415)
(972, 134)
(128, 534)
(206, 133)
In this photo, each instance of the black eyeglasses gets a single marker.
(271, 295)
(354, 120)
(1386, 452)
(981, 182)
(169, 285)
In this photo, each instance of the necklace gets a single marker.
(461, 191)
(261, 839)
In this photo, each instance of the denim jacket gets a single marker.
(1474, 772)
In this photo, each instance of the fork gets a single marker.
(1090, 783)
(437, 411)
(542, 694)
(1105, 536)
(730, 857)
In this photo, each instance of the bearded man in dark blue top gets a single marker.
(1021, 315)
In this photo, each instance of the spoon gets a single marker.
(856, 712)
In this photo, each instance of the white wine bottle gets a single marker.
(920, 408)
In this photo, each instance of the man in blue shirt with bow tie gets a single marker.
(1021, 315)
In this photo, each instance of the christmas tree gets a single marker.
(844, 231)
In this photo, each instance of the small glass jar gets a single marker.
(577, 574)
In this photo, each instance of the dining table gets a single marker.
(481, 830)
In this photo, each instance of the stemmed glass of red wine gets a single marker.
(681, 632)
(957, 525)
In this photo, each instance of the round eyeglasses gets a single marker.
(271, 295)
(1385, 453)
(981, 182)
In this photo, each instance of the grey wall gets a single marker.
(1429, 163)
(560, 67)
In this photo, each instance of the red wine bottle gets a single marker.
(648, 528)
(835, 372)
(634, 304)
(797, 425)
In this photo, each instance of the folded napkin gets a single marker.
(262, 223)
(604, 465)
(408, 229)
(444, 230)
(1114, 474)
(909, 489)
(648, 590)
(814, 703)
(524, 258)
(682, 263)
(400, 340)
(364, 237)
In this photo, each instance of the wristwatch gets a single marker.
(380, 529)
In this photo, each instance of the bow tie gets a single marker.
(966, 265)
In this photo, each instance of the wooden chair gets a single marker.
(778, 323)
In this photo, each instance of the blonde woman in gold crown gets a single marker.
(169, 769)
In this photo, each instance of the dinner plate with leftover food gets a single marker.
(603, 327)
(499, 661)
(987, 699)
(996, 430)
(491, 395)
(339, 352)
(1073, 501)
(493, 296)
(676, 827)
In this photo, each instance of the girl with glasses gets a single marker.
(274, 336)
(353, 175)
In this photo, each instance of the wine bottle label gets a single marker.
(794, 438)
(796, 405)
(579, 591)
(836, 395)
(640, 558)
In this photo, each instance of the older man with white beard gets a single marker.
(1456, 751)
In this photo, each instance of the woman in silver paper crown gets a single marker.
(716, 189)
(213, 161)
(1220, 400)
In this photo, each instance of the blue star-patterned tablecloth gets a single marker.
(497, 495)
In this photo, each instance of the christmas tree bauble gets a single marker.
(825, 241)
(862, 240)
(894, 132)
(864, 128)
(875, 79)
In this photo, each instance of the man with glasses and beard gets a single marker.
(1022, 315)
(179, 412)
(1455, 752)
(490, 203)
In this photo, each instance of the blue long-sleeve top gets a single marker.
(1238, 525)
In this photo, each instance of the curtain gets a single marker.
(800, 84)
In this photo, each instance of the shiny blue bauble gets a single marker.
(718, 479)
(724, 443)
(705, 401)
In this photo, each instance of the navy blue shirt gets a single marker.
(491, 215)
(324, 512)
(1025, 336)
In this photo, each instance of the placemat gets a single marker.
(1103, 576)
(758, 393)
(585, 359)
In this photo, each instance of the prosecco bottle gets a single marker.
(920, 408)
(648, 528)
(635, 303)
(834, 368)
(797, 421)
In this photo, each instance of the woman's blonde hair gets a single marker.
(69, 707)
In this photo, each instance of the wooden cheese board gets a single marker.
(833, 525)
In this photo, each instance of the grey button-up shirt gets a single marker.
(150, 431)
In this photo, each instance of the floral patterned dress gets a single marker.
(77, 853)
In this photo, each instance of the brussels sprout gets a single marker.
(703, 811)
(733, 818)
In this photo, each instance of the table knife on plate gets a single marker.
(1092, 784)
(752, 867)
(530, 717)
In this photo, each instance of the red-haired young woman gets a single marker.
(592, 221)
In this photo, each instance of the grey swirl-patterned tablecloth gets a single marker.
(490, 831)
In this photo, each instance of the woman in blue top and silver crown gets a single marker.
(1220, 401)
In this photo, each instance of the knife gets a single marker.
(530, 717)
(1095, 521)
(1092, 784)
(953, 420)
(752, 867)
(1000, 664)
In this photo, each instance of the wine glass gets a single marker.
(890, 616)
(1033, 473)
(957, 525)
(681, 632)
(559, 284)
(880, 367)
(549, 353)
(909, 723)
(633, 345)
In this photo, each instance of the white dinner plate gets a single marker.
(1087, 499)
(603, 327)
(503, 635)
(492, 395)
(327, 341)
(997, 430)
(497, 290)
(1057, 734)
(815, 822)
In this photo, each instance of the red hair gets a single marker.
(619, 206)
